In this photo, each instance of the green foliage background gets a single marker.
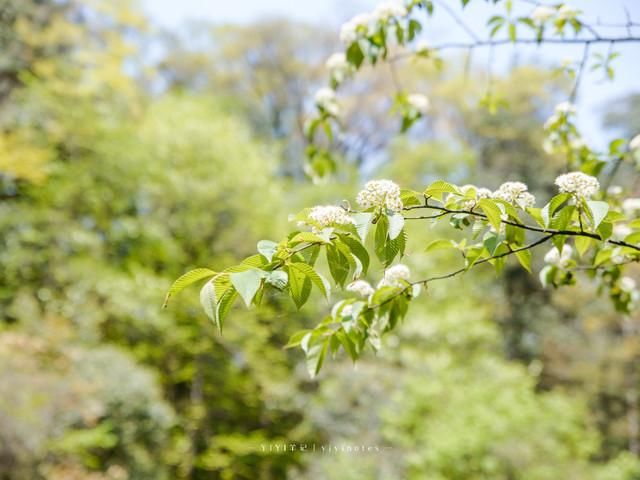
(112, 183)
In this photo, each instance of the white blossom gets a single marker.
(627, 284)
(621, 231)
(614, 190)
(329, 216)
(325, 98)
(566, 12)
(347, 310)
(578, 183)
(565, 108)
(394, 276)
(631, 206)
(380, 193)
(354, 28)
(361, 287)
(386, 10)
(422, 47)
(554, 257)
(337, 61)
(542, 13)
(419, 102)
(634, 144)
(577, 143)
(515, 193)
(618, 257)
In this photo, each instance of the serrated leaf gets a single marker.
(362, 223)
(247, 283)
(440, 244)
(599, 211)
(277, 278)
(267, 248)
(299, 286)
(314, 276)
(492, 211)
(440, 187)
(224, 307)
(396, 224)
(208, 301)
(296, 338)
(524, 257)
(550, 208)
(308, 237)
(339, 265)
(358, 250)
(315, 357)
(583, 244)
(185, 280)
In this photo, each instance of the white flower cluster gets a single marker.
(418, 102)
(380, 193)
(329, 216)
(422, 47)
(631, 206)
(361, 287)
(325, 99)
(565, 108)
(621, 231)
(565, 12)
(554, 257)
(542, 13)
(395, 276)
(578, 183)
(634, 144)
(515, 193)
(481, 192)
(387, 10)
(355, 28)
(337, 62)
(361, 25)
(627, 284)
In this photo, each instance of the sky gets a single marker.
(594, 94)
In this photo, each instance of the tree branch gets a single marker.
(531, 228)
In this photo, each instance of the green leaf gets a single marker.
(296, 338)
(315, 357)
(358, 250)
(208, 301)
(440, 187)
(380, 238)
(339, 265)
(524, 257)
(299, 286)
(492, 211)
(583, 244)
(247, 284)
(396, 224)
(550, 208)
(277, 278)
(310, 273)
(185, 280)
(307, 237)
(267, 248)
(512, 32)
(602, 256)
(599, 210)
(224, 306)
(440, 244)
(354, 55)
(363, 223)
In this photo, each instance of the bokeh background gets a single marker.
(139, 140)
